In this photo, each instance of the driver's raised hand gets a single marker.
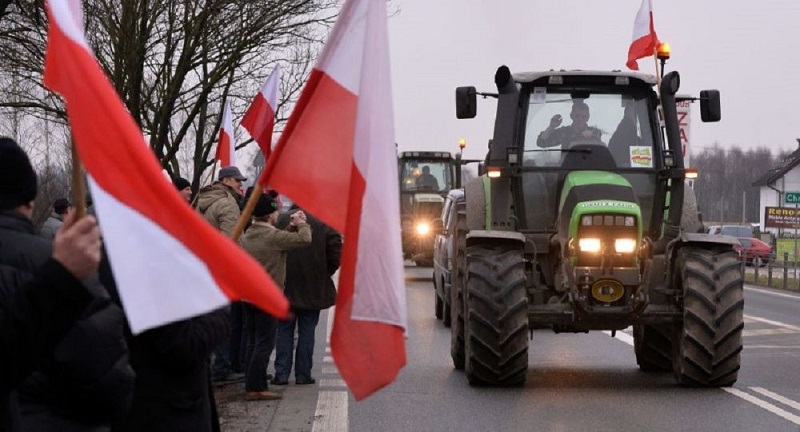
(555, 121)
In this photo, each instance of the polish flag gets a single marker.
(226, 149)
(644, 39)
(259, 120)
(168, 262)
(336, 159)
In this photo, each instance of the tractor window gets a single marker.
(432, 175)
(557, 121)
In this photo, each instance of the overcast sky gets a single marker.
(748, 50)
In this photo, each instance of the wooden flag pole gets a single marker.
(78, 187)
(247, 212)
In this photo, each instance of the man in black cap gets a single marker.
(60, 209)
(219, 204)
(63, 367)
(184, 188)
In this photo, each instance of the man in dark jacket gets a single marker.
(309, 288)
(173, 389)
(85, 382)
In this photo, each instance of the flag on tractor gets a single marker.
(645, 41)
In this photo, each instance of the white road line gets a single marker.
(771, 322)
(768, 332)
(772, 346)
(763, 404)
(622, 337)
(331, 415)
(772, 293)
(786, 401)
(332, 411)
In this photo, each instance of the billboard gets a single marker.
(781, 217)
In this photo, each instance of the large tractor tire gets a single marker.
(459, 268)
(496, 321)
(709, 344)
(653, 347)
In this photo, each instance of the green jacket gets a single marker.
(268, 245)
(219, 204)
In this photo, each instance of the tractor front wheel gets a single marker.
(707, 349)
(496, 321)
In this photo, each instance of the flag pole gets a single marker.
(78, 187)
(247, 212)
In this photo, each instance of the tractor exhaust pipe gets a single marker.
(669, 88)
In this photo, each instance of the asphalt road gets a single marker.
(575, 382)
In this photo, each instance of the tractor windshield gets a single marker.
(426, 175)
(606, 131)
(558, 121)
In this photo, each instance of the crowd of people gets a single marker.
(70, 362)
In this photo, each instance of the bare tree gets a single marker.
(173, 62)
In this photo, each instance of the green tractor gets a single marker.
(425, 179)
(590, 226)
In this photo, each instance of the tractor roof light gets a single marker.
(664, 51)
(462, 143)
(493, 172)
(691, 173)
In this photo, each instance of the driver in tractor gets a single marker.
(564, 136)
(426, 180)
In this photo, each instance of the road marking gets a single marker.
(772, 293)
(622, 337)
(772, 346)
(331, 415)
(786, 401)
(763, 404)
(332, 410)
(768, 332)
(332, 382)
(771, 322)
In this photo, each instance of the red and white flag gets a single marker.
(336, 159)
(259, 120)
(226, 148)
(169, 263)
(645, 40)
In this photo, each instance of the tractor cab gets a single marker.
(425, 179)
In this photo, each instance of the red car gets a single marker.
(753, 249)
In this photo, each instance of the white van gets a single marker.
(731, 230)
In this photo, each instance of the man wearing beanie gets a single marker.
(184, 188)
(268, 245)
(45, 309)
(53, 223)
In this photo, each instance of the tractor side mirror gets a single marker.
(466, 102)
(710, 106)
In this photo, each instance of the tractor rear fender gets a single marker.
(701, 240)
(513, 238)
(478, 212)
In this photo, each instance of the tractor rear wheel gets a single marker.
(458, 269)
(496, 321)
(707, 349)
(653, 347)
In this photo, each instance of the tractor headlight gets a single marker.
(625, 245)
(590, 245)
(423, 228)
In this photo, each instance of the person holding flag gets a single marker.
(350, 184)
